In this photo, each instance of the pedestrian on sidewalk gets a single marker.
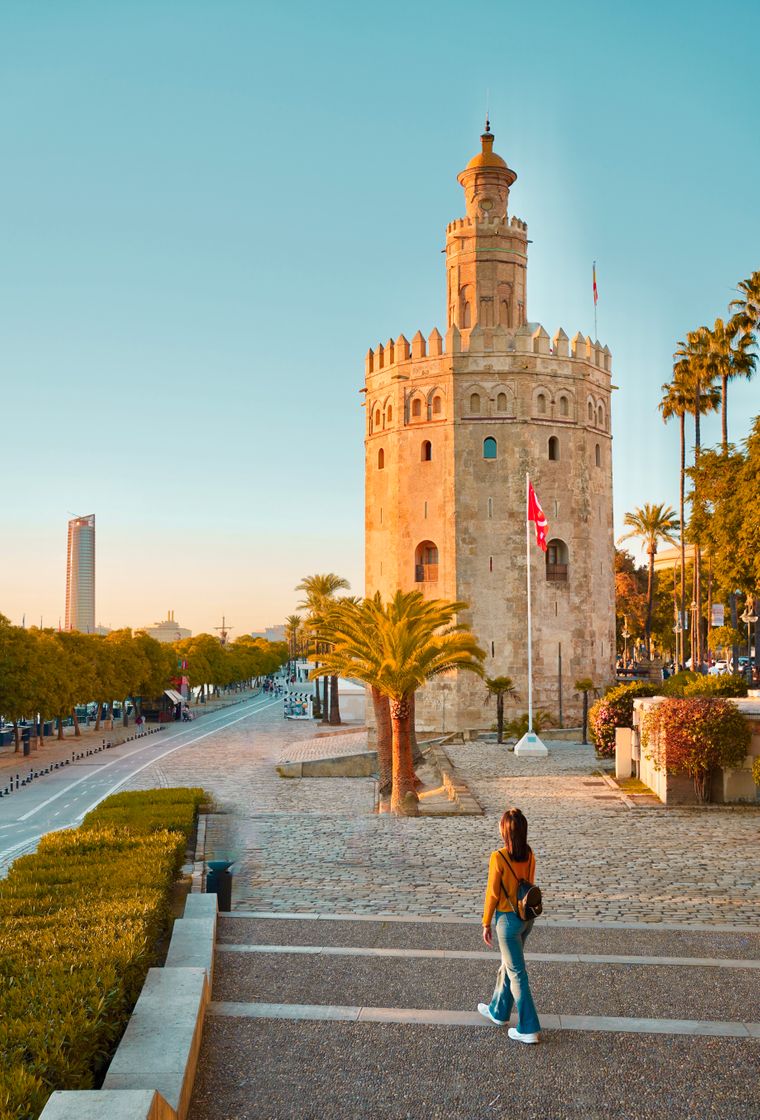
(508, 865)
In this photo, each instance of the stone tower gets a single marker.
(452, 426)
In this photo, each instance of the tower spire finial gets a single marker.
(488, 99)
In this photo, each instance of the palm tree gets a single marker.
(675, 402)
(746, 308)
(293, 635)
(652, 524)
(320, 590)
(729, 354)
(352, 629)
(692, 367)
(413, 640)
(500, 687)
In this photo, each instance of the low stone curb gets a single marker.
(152, 1072)
(363, 764)
(457, 790)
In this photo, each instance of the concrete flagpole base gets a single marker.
(530, 746)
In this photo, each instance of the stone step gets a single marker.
(275, 1069)
(560, 987)
(426, 934)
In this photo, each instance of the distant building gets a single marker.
(168, 630)
(271, 633)
(80, 575)
(666, 559)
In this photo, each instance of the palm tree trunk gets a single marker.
(683, 539)
(317, 708)
(585, 716)
(384, 734)
(97, 717)
(417, 756)
(404, 800)
(500, 717)
(724, 412)
(325, 706)
(697, 550)
(650, 599)
(334, 701)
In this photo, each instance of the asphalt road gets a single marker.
(61, 799)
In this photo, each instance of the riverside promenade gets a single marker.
(348, 973)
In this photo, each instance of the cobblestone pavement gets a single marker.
(314, 844)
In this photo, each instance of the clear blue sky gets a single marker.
(211, 209)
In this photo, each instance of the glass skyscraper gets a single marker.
(80, 575)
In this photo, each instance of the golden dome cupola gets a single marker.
(486, 181)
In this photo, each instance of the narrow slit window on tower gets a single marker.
(591, 411)
(489, 448)
(598, 455)
(381, 459)
(493, 650)
(474, 402)
(554, 449)
(425, 511)
(381, 515)
(490, 508)
(490, 563)
(427, 451)
(541, 404)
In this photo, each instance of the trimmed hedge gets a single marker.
(615, 709)
(80, 921)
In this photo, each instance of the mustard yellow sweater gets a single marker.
(501, 891)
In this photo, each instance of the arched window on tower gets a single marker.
(598, 455)
(427, 451)
(504, 316)
(437, 405)
(389, 413)
(489, 448)
(600, 416)
(591, 411)
(416, 408)
(380, 459)
(426, 563)
(541, 404)
(466, 315)
(557, 561)
(501, 402)
(474, 402)
(564, 406)
(554, 449)
(377, 417)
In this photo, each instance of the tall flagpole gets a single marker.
(596, 297)
(530, 628)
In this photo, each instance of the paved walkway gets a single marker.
(314, 844)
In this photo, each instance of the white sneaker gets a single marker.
(485, 1011)
(515, 1035)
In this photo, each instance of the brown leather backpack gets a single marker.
(529, 900)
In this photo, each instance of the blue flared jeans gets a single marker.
(512, 985)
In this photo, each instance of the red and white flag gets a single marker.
(537, 515)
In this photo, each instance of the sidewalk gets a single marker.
(373, 1019)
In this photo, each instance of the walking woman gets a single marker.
(508, 865)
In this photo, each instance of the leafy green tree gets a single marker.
(729, 355)
(18, 670)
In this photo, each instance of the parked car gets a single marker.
(718, 669)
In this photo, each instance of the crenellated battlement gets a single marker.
(532, 338)
(483, 225)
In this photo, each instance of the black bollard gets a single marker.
(219, 882)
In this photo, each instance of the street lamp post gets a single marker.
(750, 619)
(625, 635)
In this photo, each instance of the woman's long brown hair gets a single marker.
(514, 832)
